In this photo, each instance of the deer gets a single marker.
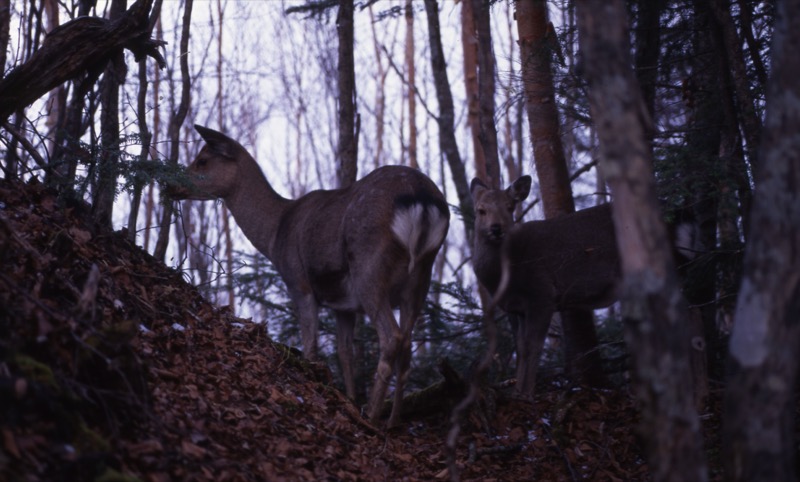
(367, 248)
(536, 268)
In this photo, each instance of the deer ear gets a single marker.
(218, 142)
(477, 186)
(520, 189)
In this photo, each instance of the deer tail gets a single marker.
(421, 228)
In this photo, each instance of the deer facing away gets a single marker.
(367, 248)
(552, 265)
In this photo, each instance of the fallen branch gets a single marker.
(80, 47)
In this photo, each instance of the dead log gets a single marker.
(81, 47)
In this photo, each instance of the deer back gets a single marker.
(385, 222)
(572, 259)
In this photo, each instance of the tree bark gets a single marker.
(487, 131)
(348, 114)
(760, 399)
(446, 119)
(469, 44)
(652, 307)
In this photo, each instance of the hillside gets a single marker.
(112, 367)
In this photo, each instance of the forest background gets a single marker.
(439, 86)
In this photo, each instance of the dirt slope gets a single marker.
(112, 367)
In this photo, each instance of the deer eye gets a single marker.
(481, 212)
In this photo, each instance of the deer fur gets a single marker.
(536, 268)
(366, 248)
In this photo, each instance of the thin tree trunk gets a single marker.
(226, 227)
(446, 119)
(144, 133)
(150, 202)
(648, 47)
(487, 131)
(173, 131)
(380, 93)
(348, 114)
(411, 72)
(750, 120)
(105, 188)
(652, 307)
(760, 399)
(5, 28)
(469, 43)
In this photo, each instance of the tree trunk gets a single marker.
(107, 167)
(537, 41)
(348, 115)
(647, 36)
(144, 134)
(174, 128)
(411, 72)
(760, 402)
(652, 307)
(487, 131)
(446, 119)
(750, 119)
(5, 27)
(469, 44)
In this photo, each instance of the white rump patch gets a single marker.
(410, 227)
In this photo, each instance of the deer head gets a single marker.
(367, 248)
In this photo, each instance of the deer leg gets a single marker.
(410, 309)
(531, 334)
(345, 327)
(308, 318)
(388, 337)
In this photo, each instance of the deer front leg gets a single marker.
(531, 334)
(345, 327)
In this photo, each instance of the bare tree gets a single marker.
(175, 122)
(411, 78)
(652, 307)
(107, 168)
(487, 131)
(760, 402)
(348, 113)
(446, 119)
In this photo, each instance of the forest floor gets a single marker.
(113, 368)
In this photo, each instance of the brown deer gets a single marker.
(366, 248)
(536, 268)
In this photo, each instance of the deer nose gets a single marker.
(496, 231)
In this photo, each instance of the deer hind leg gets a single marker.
(411, 306)
(531, 334)
(345, 327)
(388, 336)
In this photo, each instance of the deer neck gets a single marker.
(256, 206)
(487, 262)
